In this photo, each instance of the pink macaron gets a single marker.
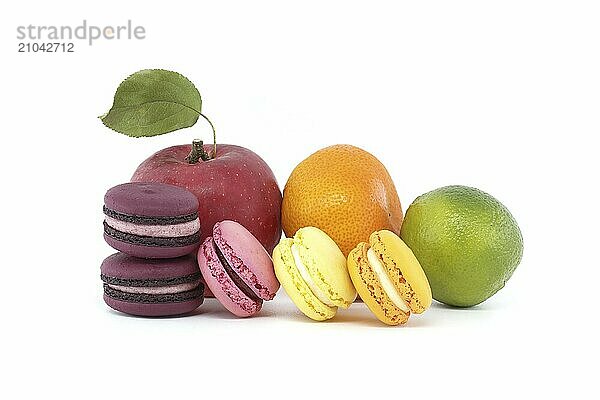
(237, 269)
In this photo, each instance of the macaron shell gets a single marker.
(221, 285)
(404, 269)
(326, 265)
(151, 200)
(247, 257)
(120, 265)
(153, 309)
(142, 251)
(295, 286)
(370, 290)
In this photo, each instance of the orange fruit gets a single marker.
(344, 191)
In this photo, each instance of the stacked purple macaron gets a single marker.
(155, 227)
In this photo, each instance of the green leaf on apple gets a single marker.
(153, 102)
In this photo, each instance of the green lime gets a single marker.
(467, 242)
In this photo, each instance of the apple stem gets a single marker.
(214, 135)
(197, 152)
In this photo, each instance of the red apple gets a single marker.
(236, 184)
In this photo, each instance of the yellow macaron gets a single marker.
(389, 278)
(312, 270)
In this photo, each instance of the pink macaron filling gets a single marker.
(174, 230)
(183, 287)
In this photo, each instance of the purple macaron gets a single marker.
(152, 287)
(151, 220)
(237, 269)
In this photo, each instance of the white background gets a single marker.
(500, 95)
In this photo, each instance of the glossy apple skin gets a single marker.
(237, 185)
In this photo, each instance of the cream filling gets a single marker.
(174, 230)
(182, 287)
(308, 279)
(386, 281)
